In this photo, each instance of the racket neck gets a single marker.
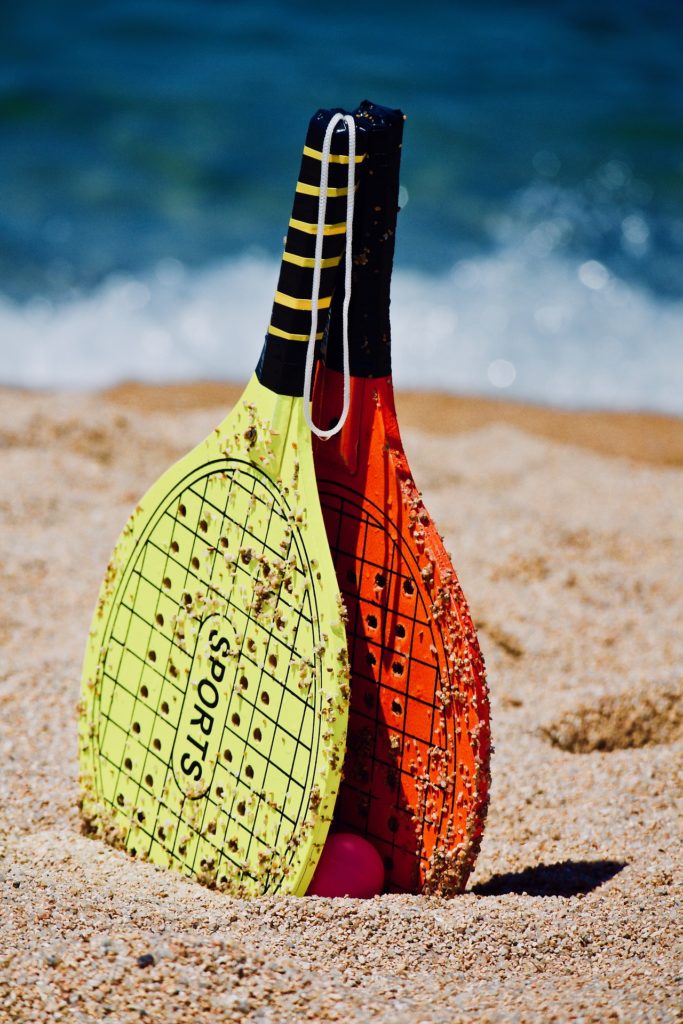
(374, 237)
(282, 364)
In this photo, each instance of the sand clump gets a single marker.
(571, 560)
(637, 718)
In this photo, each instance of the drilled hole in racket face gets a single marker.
(397, 661)
(206, 739)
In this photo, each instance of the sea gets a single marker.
(149, 150)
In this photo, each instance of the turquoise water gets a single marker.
(148, 152)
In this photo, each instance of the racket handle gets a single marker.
(282, 363)
(374, 234)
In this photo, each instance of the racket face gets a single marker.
(416, 775)
(215, 693)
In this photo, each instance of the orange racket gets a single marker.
(416, 775)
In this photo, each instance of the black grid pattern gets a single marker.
(256, 795)
(397, 663)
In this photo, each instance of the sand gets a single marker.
(567, 532)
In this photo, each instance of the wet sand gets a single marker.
(567, 533)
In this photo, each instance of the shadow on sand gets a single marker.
(565, 878)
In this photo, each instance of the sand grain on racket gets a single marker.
(572, 562)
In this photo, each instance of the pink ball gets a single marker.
(349, 866)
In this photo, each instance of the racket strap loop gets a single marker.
(317, 266)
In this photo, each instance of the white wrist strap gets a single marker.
(317, 262)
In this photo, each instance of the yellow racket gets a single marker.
(215, 685)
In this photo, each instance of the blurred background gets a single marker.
(149, 150)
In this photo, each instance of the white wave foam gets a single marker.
(515, 323)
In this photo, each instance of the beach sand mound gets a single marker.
(637, 718)
(571, 559)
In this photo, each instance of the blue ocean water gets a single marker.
(148, 151)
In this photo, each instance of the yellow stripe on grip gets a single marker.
(294, 303)
(308, 261)
(314, 190)
(292, 337)
(310, 229)
(335, 158)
